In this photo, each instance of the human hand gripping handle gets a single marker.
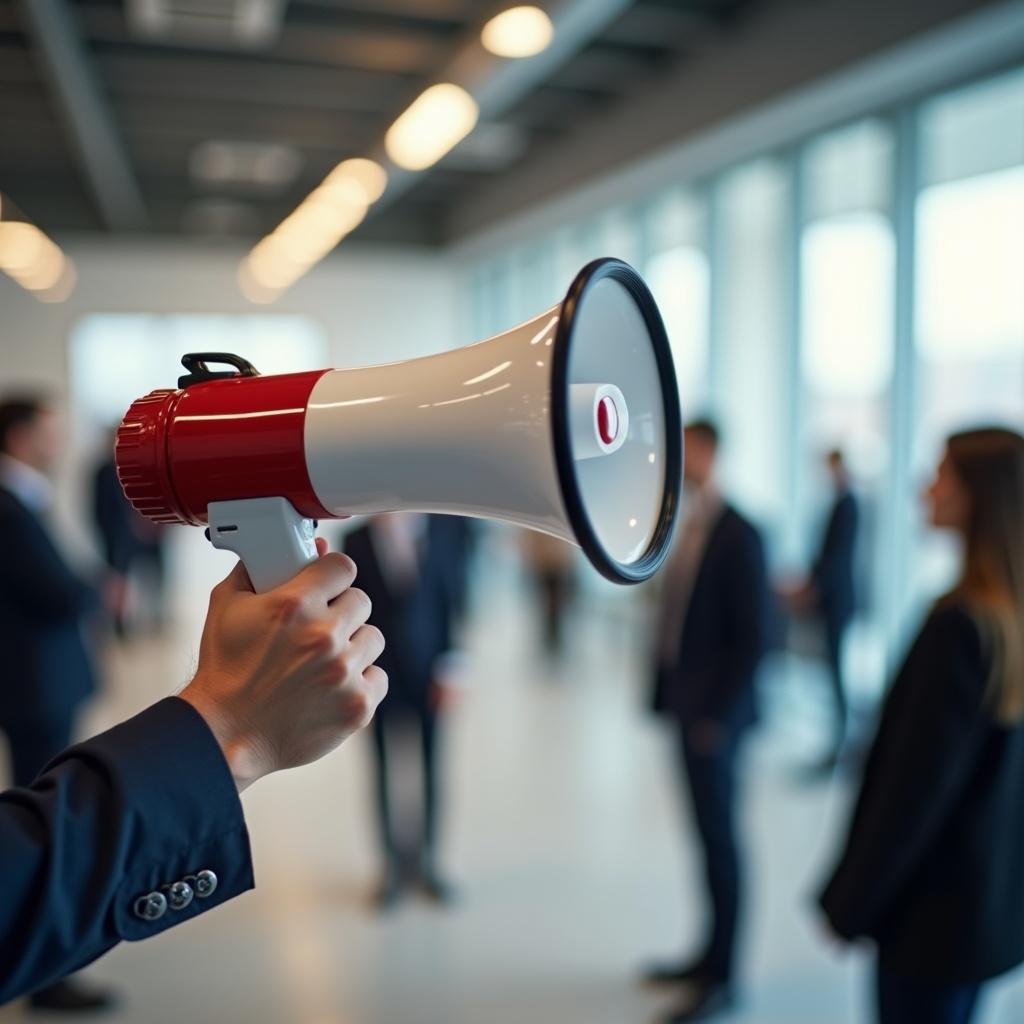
(285, 676)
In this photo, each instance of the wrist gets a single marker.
(245, 755)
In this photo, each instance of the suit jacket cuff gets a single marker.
(185, 820)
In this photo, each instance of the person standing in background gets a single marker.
(711, 638)
(412, 567)
(830, 596)
(551, 564)
(48, 673)
(126, 540)
(931, 870)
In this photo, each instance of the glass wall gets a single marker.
(862, 290)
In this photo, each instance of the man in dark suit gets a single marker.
(127, 541)
(141, 828)
(829, 594)
(711, 640)
(48, 672)
(412, 567)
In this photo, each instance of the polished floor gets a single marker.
(567, 840)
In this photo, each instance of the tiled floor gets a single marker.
(567, 840)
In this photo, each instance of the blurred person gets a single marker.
(141, 828)
(127, 542)
(551, 563)
(412, 566)
(43, 603)
(931, 869)
(828, 594)
(711, 638)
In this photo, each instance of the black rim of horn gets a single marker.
(651, 560)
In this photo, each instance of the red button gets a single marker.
(607, 420)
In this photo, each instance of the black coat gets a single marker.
(46, 668)
(724, 630)
(148, 803)
(933, 867)
(417, 623)
(833, 568)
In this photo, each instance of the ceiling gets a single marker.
(322, 80)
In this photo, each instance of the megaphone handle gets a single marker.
(273, 540)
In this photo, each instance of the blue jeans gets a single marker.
(908, 1001)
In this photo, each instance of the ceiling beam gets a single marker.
(89, 122)
(784, 50)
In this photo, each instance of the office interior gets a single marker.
(826, 198)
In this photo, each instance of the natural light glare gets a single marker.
(970, 285)
(847, 266)
(118, 357)
(680, 282)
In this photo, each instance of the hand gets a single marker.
(284, 677)
(706, 737)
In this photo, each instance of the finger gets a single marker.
(376, 680)
(323, 580)
(350, 611)
(322, 547)
(365, 647)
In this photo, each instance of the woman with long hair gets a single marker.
(933, 868)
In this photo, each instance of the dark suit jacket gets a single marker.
(46, 668)
(833, 568)
(114, 519)
(143, 805)
(933, 867)
(724, 631)
(417, 624)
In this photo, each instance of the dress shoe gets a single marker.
(71, 997)
(674, 974)
(437, 890)
(706, 1001)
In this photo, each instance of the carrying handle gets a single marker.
(199, 371)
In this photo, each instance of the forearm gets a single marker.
(111, 822)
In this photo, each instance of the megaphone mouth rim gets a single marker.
(661, 542)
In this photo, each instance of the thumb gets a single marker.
(236, 581)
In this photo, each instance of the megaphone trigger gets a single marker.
(272, 539)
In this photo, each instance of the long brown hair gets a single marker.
(989, 463)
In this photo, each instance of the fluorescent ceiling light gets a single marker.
(438, 118)
(518, 32)
(35, 261)
(367, 174)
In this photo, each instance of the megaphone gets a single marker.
(568, 424)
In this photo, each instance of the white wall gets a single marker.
(375, 305)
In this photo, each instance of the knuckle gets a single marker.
(342, 564)
(322, 642)
(359, 706)
(361, 600)
(288, 606)
(343, 665)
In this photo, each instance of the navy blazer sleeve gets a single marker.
(933, 730)
(146, 804)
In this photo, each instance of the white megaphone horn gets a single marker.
(568, 424)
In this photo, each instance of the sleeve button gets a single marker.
(206, 883)
(151, 907)
(179, 895)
